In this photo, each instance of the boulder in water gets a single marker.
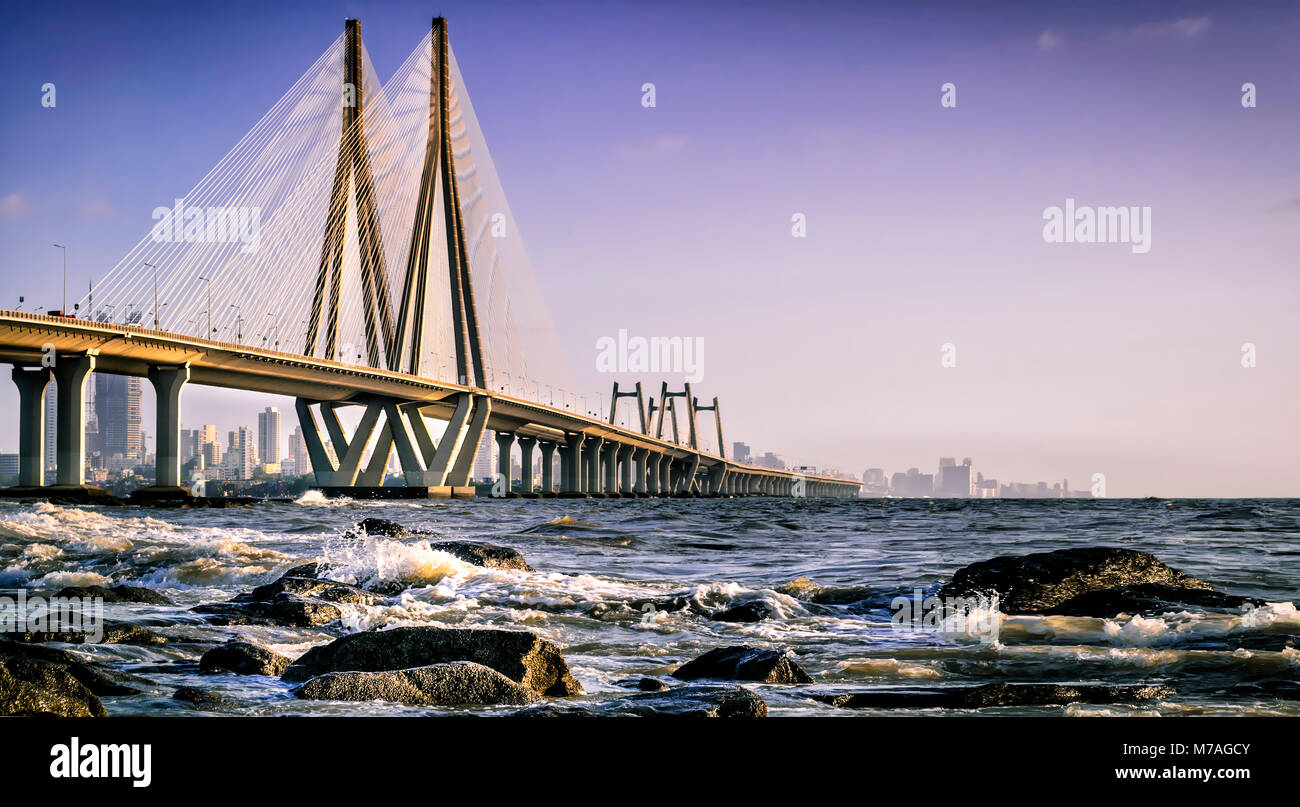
(744, 663)
(120, 593)
(1149, 598)
(449, 684)
(33, 687)
(519, 655)
(1037, 583)
(751, 611)
(243, 658)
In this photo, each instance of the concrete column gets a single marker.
(548, 466)
(641, 484)
(610, 456)
(652, 474)
(505, 442)
(592, 450)
(167, 385)
(32, 382)
(625, 454)
(71, 374)
(571, 464)
(665, 475)
(526, 463)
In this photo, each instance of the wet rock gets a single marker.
(449, 684)
(716, 547)
(389, 529)
(199, 697)
(803, 588)
(475, 552)
(113, 633)
(643, 684)
(327, 590)
(986, 695)
(689, 701)
(751, 611)
(521, 656)
(243, 658)
(744, 663)
(1148, 598)
(284, 609)
(1037, 583)
(481, 554)
(116, 594)
(33, 687)
(97, 680)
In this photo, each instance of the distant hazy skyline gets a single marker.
(924, 223)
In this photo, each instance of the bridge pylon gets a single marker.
(353, 171)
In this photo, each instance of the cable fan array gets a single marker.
(238, 258)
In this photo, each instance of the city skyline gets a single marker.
(924, 222)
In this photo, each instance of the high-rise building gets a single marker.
(740, 452)
(485, 466)
(268, 435)
(241, 453)
(953, 480)
(117, 408)
(51, 429)
(298, 456)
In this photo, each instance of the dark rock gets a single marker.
(986, 695)
(802, 588)
(327, 590)
(284, 609)
(199, 697)
(390, 529)
(312, 569)
(243, 658)
(1148, 598)
(28, 686)
(449, 684)
(113, 633)
(519, 655)
(97, 680)
(1036, 583)
(689, 701)
(704, 545)
(488, 555)
(643, 684)
(744, 663)
(752, 611)
(116, 594)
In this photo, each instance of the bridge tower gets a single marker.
(353, 169)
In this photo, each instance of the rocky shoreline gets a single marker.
(481, 666)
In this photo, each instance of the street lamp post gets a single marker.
(208, 281)
(65, 277)
(155, 295)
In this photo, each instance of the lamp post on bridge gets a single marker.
(239, 324)
(208, 281)
(64, 309)
(155, 295)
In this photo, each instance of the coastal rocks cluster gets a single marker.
(425, 666)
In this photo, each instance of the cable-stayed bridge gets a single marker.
(356, 249)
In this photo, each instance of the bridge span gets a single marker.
(597, 457)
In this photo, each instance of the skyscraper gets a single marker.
(117, 408)
(485, 466)
(268, 435)
(51, 429)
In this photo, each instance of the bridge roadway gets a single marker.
(596, 457)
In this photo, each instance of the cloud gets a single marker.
(1049, 41)
(1187, 28)
(14, 206)
(95, 209)
(660, 144)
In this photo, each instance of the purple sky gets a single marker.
(924, 223)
